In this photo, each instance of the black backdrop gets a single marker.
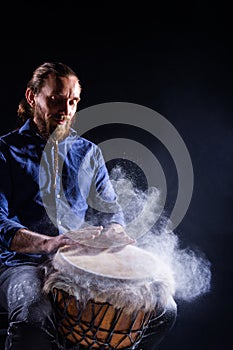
(187, 78)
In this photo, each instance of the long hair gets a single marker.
(37, 82)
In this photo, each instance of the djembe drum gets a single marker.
(105, 298)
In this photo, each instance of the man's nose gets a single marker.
(66, 107)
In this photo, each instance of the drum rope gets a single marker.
(90, 334)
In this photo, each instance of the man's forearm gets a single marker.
(26, 241)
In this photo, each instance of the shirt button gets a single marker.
(59, 222)
(58, 196)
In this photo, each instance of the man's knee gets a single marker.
(26, 301)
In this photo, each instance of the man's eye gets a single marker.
(73, 102)
(56, 99)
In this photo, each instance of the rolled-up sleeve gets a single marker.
(9, 222)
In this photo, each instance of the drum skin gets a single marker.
(98, 325)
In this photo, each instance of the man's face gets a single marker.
(56, 104)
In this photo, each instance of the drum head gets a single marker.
(129, 262)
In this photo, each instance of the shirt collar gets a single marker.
(29, 129)
(26, 127)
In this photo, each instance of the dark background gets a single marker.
(186, 76)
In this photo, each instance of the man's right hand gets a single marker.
(74, 238)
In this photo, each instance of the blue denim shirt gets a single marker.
(51, 188)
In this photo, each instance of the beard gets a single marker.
(46, 129)
(62, 131)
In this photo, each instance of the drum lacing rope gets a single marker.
(87, 332)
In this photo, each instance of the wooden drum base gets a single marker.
(98, 325)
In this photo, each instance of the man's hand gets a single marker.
(85, 233)
(30, 242)
(116, 233)
(73, 238)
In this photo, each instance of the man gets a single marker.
(51, 181)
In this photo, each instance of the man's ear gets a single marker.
(30, 97)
